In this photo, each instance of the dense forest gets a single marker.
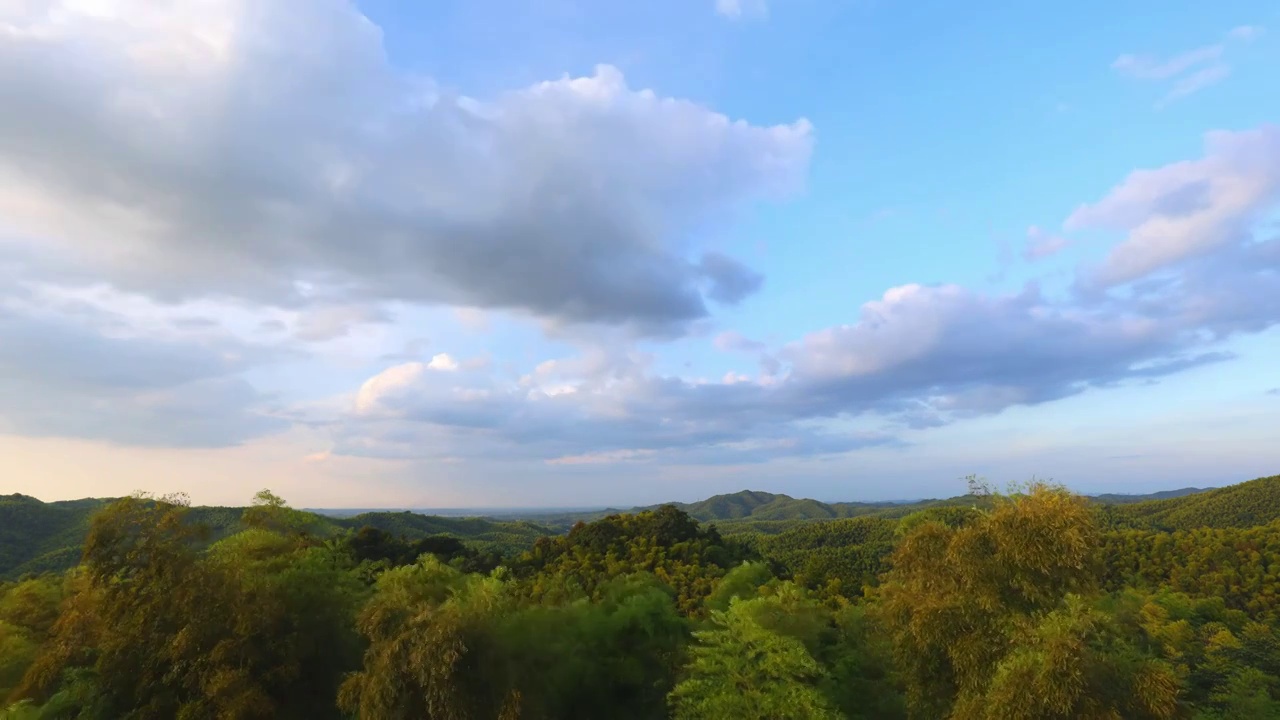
(1031, 602)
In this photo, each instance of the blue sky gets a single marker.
(571, 253)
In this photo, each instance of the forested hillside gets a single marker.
(37, 537)
(755, 510)
(1033, 603)
(1239, 506)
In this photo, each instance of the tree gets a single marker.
(740, 670)
(981, 612)
(432, 648)
(260, 626)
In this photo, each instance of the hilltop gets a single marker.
(763, 511)
(1246, 504)
(37, 536)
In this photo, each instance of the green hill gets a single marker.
(764, 506)
(37, 537)
(1246, 504)
(1122, 499)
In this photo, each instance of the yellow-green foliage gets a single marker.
(991, 620)
(665, 542)
(1037, 605)
(1243, 505)
(1239, 565)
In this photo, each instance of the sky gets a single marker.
(495, 253)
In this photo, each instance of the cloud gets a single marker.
(1186, 209)
(1041, 244)
(742, 9)
(928, 355)
(586, 410)
(1188, 72)
(248, 174)
(1195, 269)
(1274, 391)
(442, 362)
(733, 341)
(1146, 67)
(267, 151)
(88, 374)
(729, 280)
(335, 321)
(919, 357)
(1247, 32)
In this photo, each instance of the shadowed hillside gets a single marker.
(1256, 502)
(37, 537)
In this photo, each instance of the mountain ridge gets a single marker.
(38, 536)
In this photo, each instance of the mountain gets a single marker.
(37, 536)
(1121, 499)
(763, 506)
(1246, 504)
(759, 505)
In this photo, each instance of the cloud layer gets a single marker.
(74, 370)
(266, 157)
(267, 150)
(1192, 266)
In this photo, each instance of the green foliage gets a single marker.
(258, 626)
(28, 612)
(989, 619)
(1037, 604)
(741, 670)
(1243, 505)
(1239, 565)
(38, 537)
(664, 542)
(838, 557)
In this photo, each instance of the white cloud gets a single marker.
(1041, 244)
(1188, 72)
(1195, 269)
(733, 341)
(267, 151)
(1146, 67)
(1247, 32)
(742, 9)
(244, 175)
(1187, 208)
(442, 362)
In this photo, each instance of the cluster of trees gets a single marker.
(1028, 605)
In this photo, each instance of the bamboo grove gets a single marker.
(1026, 604)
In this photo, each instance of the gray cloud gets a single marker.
(334, 321)
(70, 376)
(730, 281)
(273, 155)
(595, 409)
(919, 357)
